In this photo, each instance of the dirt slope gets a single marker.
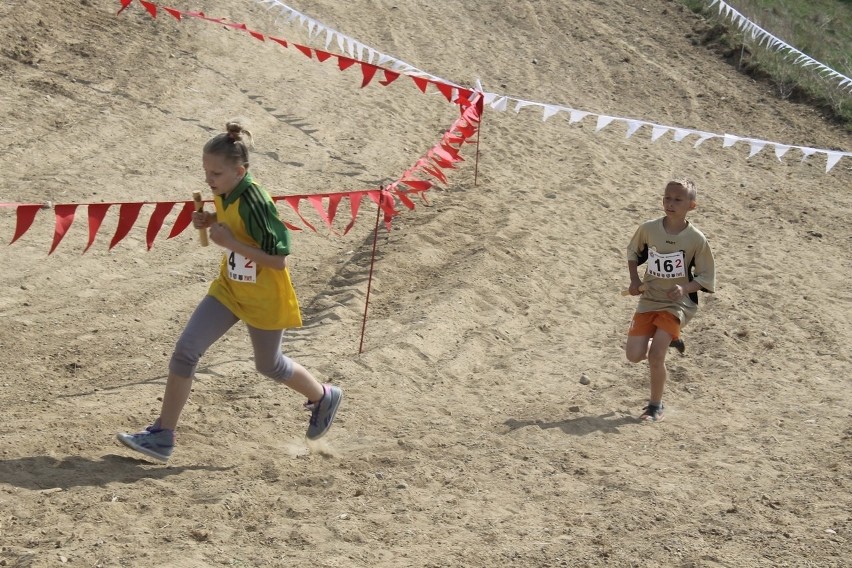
(466, 438)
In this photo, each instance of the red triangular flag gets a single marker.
(293, 201)
(447, 90)
(173, 12)
(256, 35)
(344, 62)
(152, 8)
(368, 71)
(390, 77)
(25, 217)
(157, 217)
(354, 205)
(97, 211)
(322, 55)
(127, 215)
(64, 218)
(421, 83)
(124, 5)
(282, 42)
(304, 49)
(316, 201)
(183, 220)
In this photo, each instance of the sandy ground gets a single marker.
(466, 438)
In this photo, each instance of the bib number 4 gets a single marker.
(241, 269)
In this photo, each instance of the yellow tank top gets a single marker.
(260, 296)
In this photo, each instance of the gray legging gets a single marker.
(210, 320)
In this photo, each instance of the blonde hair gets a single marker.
(233, 144)
(686, 184)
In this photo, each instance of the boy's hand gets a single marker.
(635, 288)
(676, 293)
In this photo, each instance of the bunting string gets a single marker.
(761, 36)
(502, 102)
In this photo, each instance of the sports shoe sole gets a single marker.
(127, 440)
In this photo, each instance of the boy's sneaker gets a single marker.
(153, 441)
(322, 412)
(678, 344)
(653, 413)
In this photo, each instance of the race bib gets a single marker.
(669, 265)
(241, 269)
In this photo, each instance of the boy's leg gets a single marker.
(637, 348)
(657, 364)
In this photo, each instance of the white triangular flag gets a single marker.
(730, 140)
(633, 126)
(521, 104)
(832, 158)
(603, 122)
(681, 133)
(756, 146)
(703, 137)
(658, 131)
(500, 104)
(806, 152)
(329, 35)
(780, 150)
(577, 116)
(550, 110)
(489, 98)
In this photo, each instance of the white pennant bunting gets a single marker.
(702, 137)
(633, 126)
(603, 122)
(730, 140)
(831, 159)
(577, 115)
(550, 110)
(658, 131)
(780, 150)
(755, 146)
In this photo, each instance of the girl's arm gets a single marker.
(222, 236)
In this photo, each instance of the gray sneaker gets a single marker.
(322, 412)
(153, 441)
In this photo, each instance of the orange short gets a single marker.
(647, 323)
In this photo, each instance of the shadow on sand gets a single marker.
(580, 426)
(45, 472)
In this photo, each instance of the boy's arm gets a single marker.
(635, 281)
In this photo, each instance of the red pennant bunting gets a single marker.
(405, 200)
(127, 215)
(316, 201)
(183, 220)
(25, 216)
(124, 5)
(282, 42)
(447, 90)
(419, 185)
(160, 211)
(421, 83)
(436, 173)
(294, 203)
(368, 71)
(306, 50)
(152, 8)
(97, 211)
(354, 205)
(322, 55)
(333, 202)
(256, 35)
(291, 226)
(175, 13)
(64, 217)
(344, 63)
(390, 77)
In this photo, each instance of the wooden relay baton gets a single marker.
(199, 206)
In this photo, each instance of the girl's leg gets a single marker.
(269, 361)
(210, 321)
(637, 347)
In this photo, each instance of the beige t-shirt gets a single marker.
(671, 260)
